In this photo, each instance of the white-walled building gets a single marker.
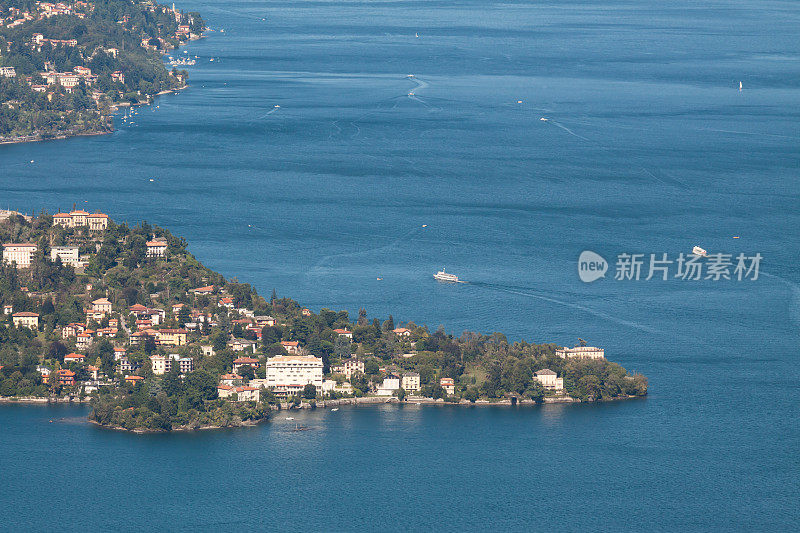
(20, 253)
(67, 254)
(25, 319)
(549, 380)
(288, 374)
(586, 352)
(411, 382)
(389, 386)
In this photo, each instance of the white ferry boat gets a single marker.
(699, 251)
(444, 276)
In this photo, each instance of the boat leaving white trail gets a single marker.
(445, 276)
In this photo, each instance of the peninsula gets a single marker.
(65, 67)
(127, 319)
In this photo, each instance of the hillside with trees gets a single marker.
(116, 58)
(216, 319)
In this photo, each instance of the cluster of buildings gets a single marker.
(22, 254)
(15, 17)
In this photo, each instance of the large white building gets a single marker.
(587, 352)
(68, 255)
(21, 254)
(550, 380)
(288, 374)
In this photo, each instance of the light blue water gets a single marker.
(649, 148)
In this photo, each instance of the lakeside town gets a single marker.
(94, 310)
(77, 62)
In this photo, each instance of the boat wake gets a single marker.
(320, 264)
(522, 291)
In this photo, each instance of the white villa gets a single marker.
(288, 374)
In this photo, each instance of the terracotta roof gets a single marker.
(245, 360)
(62, 215)
(138, 307)
(24, 245)
(98, 215)
(289, 343)
(156, 243)
(546, 372)
(102, 301)
(78, 212)
(65, 372)
(74, 356)
(25, 313)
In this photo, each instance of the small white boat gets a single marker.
(151, 179)
(409, 75)
(699, 251)
(740, 86)
(212, 59)
(334, 409)
(444, 276)
(379, 279)
(410, 94)
(543, 119)
(424, 225)
(277, 106)
(289, 418)
(416, 35)
(519, 101)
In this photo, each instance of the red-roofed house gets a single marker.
(134, 379)
(242, 361)
(291, 346)
(74, 358)
(97, 221)
(66, 377)
(402, 332)
(156, 248)
(203, 290)
(344, 333)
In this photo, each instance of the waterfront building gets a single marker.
(20, 254)
(411, 383)
(25, 319)
(288, 374)
(349, 367)
(65, 377)
(585, 352)
(389, 385)
(549, 380)
(449, 385)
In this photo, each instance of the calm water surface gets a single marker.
(649, 147)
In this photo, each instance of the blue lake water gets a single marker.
(648, 147)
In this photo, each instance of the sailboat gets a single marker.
(740, 86)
